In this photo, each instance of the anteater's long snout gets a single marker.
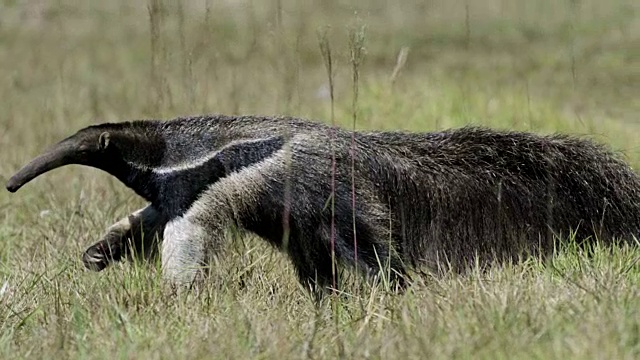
(64, 153)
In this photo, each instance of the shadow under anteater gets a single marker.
(421, 199)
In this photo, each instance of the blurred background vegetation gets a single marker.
(117, 60)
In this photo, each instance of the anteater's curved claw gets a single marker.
(135, 236)
(94, 259)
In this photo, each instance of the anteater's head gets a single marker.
(107, 147)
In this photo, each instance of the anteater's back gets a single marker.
(475, 190)
(462, 192)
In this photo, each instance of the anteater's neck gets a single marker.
(166, 164)
(140, 179)
(170, 164)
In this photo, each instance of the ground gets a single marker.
(542, 66)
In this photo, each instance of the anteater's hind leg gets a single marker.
(135, 237)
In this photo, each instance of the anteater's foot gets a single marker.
(100, 255)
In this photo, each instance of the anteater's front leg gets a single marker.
(184, 255)
(191, 241)
(135, 236)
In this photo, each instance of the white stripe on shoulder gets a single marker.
(194, 163)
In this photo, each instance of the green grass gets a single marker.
(543, 66)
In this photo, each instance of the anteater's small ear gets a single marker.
(103, 141)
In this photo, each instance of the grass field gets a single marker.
(543, 66)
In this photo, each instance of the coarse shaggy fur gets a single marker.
(441, 199)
